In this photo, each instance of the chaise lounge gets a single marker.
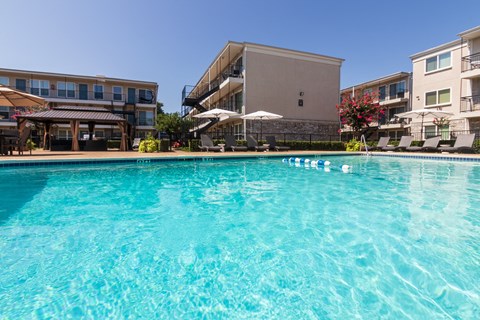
(405, 142)
(273, 144)
(382, 142)
(429, 144)
(463, 144)
(231, 144)
(253, 144)
(207, 144)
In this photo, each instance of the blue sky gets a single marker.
(173, 42)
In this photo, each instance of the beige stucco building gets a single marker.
(245, 77)
(132, 99)
(447, 78)
(393, 92)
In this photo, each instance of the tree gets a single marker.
(359, 112)
(160, 108)
(172, 124)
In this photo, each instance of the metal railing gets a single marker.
(471, 62)
(398, 95)
(469, 104)
(77, 94)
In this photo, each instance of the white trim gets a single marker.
(95, 92)
(66, 89)
(438, 69)
(121, 93)
(294, 55)
(438, 104)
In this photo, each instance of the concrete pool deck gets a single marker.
(45, 155)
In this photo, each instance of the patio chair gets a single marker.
(207, 144)
(382, 142)
(231, 143)
(463, 143)
(405, 142)
(136, 143)
(253, 144)
(429, 144)
(273, 144)
(18, 143)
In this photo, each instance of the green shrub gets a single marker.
(113, 144)
(476, 146)
(354, 145)
(150, 144)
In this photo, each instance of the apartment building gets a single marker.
(393, 92)
(447, 78)
(132, 99)
(245, 77)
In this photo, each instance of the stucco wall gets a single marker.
(273, 83)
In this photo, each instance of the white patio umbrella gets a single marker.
(216, 113)
(261, 115)
(14, 98)
(422, 113)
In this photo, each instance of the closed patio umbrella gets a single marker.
(422, 113)
(261, 115)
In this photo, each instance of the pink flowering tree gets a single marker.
(359, 112)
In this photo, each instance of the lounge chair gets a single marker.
(463, 143)
(231, 143)
(405, 142)
(429, 144)
(253, 144)
(273, 144)
(382, 142)
(136, 143)
(207, 144)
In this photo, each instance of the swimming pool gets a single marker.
(395, 238)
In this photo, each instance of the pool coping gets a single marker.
(145, 158)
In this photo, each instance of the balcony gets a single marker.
(400, 96)
(470, 104)
(471, 66)
(78, 95)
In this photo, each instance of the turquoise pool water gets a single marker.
(395, 239)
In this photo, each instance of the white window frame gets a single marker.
(438, 63)
(114, 93)
(66, 89)
(41, 86)
(95, 86)
(438, 104)
(5, 83)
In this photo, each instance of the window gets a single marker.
(439, 97)
(368, 91)
(117, 93)
(382, 93)
(66, 89)
(40, 87)
(430, 131)
(4, 81)
(145, 118)
(442, 61)
(64, 135)
(21, 84)
(98, 91)
(238, 101)
(145, 96)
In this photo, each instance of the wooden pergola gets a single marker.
(74, 115)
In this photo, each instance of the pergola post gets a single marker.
(46, 135)
(123, 141)
(74, 125)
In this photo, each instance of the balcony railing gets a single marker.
(471, 62)
(469, 104)
(398, 95)
(77, 94)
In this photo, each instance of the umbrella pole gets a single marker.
(421, 129)
(261, 129)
